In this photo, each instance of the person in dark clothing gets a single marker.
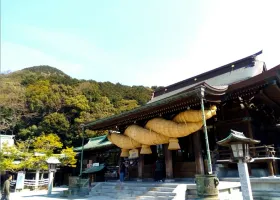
(159, 170)
(122, 171)
(6, 189)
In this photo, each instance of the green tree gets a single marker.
(41, 98)
(125, 105)
(12, 104)
(47, 144)
(55, 123)
(67, 157)
(79, 102)
(33, 154)
(10, 154)
(28, 132)
(102, 108)
(90, 90)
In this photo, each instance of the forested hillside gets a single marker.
(43, 99)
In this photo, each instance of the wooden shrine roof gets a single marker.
(267, 81)
(96, 143)
(248, 61)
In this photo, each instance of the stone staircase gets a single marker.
(140, 190)
(164, 191)
(227, 191)
(264, 188)
(266, 195)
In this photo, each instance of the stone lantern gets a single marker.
(239, 145)
(52, 164)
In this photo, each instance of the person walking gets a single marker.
(6, 189)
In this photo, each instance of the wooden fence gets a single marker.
(31, 183)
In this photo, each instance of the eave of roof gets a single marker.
(96, 143)
(94, 169)
(236, 138)
(253, 84)
(172, 104)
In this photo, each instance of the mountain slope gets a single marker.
(43, 99)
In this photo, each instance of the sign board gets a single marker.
(133, 153)
(95, 164)
(20, 180)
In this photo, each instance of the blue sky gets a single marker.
(145, 42)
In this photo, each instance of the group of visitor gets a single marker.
(159, 172)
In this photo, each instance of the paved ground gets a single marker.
(42, 195)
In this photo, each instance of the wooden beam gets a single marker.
(197, 151)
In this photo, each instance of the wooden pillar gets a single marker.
(270, 168)
(168, 162)
(197, 152)
(275, 166)
(140, 167)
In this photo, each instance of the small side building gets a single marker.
(101, 159)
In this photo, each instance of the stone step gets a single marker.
(158, 193)
(162, 189)
(135, 192)
(266, 198)
(170, 185)
(266, 194)
(106, 188)
(151, 198)
(112, 194)
(191, 192)
(191, 196)
(235, 196)
(116, 196)
(117, 190)
(118, 187)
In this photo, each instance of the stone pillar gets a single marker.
(42, 175)
(37, 179)
(245, 181)
(50, 183)
(168, 163)
(197, 151)
(140, 167)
